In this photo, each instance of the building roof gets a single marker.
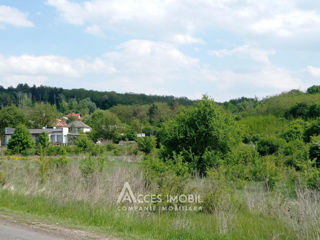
(78, 124)
(76, 115)
(10, 131)
(60, 123)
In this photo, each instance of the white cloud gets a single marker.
(256, 54)
(13, 16)
(186, 39)
(161, 68)
(150, 67)
(314, 71)
(94, 30)
(52, 65)
(283, 18)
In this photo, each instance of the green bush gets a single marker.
(147, 144)
(312, 130)
(269, 146)
(296, 154)
(96, 150)
(89, 165)
(61, 162)
(197, 132)
(83, 143)
(55, 150)
(43, 140)
(294, 132)
(314, 152)
(21, 141)
(110, 147)
(130, 135)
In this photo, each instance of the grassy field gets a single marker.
(67, 196)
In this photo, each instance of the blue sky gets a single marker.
(223, 48)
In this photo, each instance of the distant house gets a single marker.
(77, 127)
(141, 135)
(76, 115)
(60, 123)
(56, 135)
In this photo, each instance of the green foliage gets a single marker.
(61, 162)
(90, 165)
(56, 150)
(269, 146)
(262, 126)
(312, 130)
(314, 89)
(96, 150)
(296, 154)
(44, 165)
(83, 143)
(279, 105)
(71, 119)
(314, 152)
(21, 140)
(43, 140)
(197, 131)
(304, 111)
(294, 132)
(147, 144)
(105, 125)
(130, 135)
(42, 115)
(11, 117)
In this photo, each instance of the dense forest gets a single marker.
(60, 96)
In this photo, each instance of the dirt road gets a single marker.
(17, 228)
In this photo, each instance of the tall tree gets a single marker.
(21, 140)
(43, 114)
(11, 116)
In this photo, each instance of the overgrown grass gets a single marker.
(164, 226)
(69, 197)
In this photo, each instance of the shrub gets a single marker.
(83, 143)
(21, 140)
(43, 140)
(147, 144)
(300, 110)
(89, 165)
(197, 131)
(296, 154)
(131, 135)
(110, 147)
(294, 132)
(61, 162)
(269, 146)
(96, 150)
(56, 151)
(312, 130)
(314, 152)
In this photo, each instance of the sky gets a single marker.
(222, 48)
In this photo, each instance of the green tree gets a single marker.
(11, 116)
(201, 135)
(314, 89)
(312, 130)
(43, 114)
(83, 143)
(21, 140)
(43, 140)
(104, 124)
(147, 144)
